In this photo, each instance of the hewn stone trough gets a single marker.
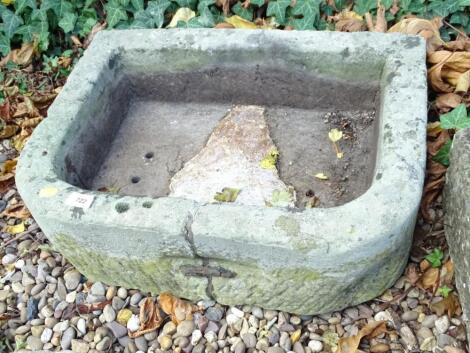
(112, 128)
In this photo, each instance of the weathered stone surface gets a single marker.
(232, 158)
(303, 261)
(457, 224)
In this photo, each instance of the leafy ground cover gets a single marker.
(41, 40)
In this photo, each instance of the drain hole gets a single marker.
(149, 155)
(135, 179)
(147, 204)
(122, 207)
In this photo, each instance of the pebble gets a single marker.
(185, 328)
(80, 346)
(46, 335)
(81, 326)
(72, 279)
(117, 329)
(32, 309)
(380, 348)
(141, 343)
(122, 293)
(133, 324)
(109, 313)
(98, 289)
(135, 299)
(104, 344)
(34, 343)
(67, 337)
(196, 337)
(165, 342)
(8, 259)
(442, 324)
(170, 328)
(409, 316)
(315, 346)
(429, 321)
(249, 339)
(408, 337)
(214, 313)
(275, 350)
(239, 347)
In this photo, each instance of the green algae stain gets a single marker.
(288, 225)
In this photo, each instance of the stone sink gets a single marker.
(141, 104)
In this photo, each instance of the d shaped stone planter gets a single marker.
(298, 260)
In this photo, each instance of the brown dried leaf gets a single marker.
(430, 279)
(149, 318)
(178, 309)
(447, 273)
(33, 122)
(348, 21)
(351, 344)
(8, 131)
(88, 308)
(96, 28)
(17, 211)
(463, 82)
(22, 56)
(449, 71)
(449, 305)
(380, 22)
(412, 273)
(6, 181)
(428, 29)
(448, 101)
(5, 110)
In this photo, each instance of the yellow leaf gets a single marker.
(335, 135)
(178, 309)
(18, 228)
(295, 335)
(9, 166)
(238, 22)
(269, 161)
(48, 191)
(7, 2)
(183, 14)
(463, 82)
(321, 176)
(339, 155)
(227, 195)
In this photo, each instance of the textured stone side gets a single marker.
(457, 224)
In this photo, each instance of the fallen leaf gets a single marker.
(178, 309)
(22, 56)
(6, 181)
(149, 318)
(9, 166)
(448, 101)
(351, 344)
(295, 336)
(463, 82)
(412, 273)
(88, 308)
(430, 279)
(238, 22)
(33, 122)
(321, 176)
(96, 28)
(8, 131)
(428, 29)
(380, 22)
(447, 273)
(348, 21)
(182, 14)
(227, 195)
(433, 129)
(269, 161)
(282, 198)
(15, 229)
(224, 25)
(335, 135)
(449, 71)
(17, 211)
(449, 305)
(5, 110)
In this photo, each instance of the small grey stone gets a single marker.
(32, 308)
(273, 336)
(117, 329)
(185, 328)
(408, 337)
(442, 324)
(182, 342)
(104, 344)
(8, 259)
(166, 342)
(198, 348)
(169, 328)
(257, 312)
(136, 298)
(109, 313)
(80, 346)
(37, 288)
(276, 350)
(212, 326)
(122, 293)
(409, 316)
(34, 343)
(424, 333)
(315, 346)
(72, 279)
(270, 314)
(285, 341)
(249, 339)
(240, 347)
(117, 303)
(81, 325)
(429, 321)
(46, 335)
(214, 313)
(141, 343)
(67, 337)
(445, 340)
(150, 336)
(298, 348)
(98, 289)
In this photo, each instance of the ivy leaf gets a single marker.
(4, 44)
(442, 156)
(239, 10)
(464, 3)
(114, 13)
(29, 31)
(444, 291)
(85, 25)
(258, 3)
(60, 7)
(138, 4)
(142, 20)
(205, 20)
(443, 8)
(67, 23)
(309, 10)
(363, 6)
(187, 3)
(456, 119)
(20, 5)
(277, 9)
(11, 22)
(204, 4)
(157, 10)
(435, 257)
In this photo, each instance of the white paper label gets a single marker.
(79, 200)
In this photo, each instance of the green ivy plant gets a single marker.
(51, 23)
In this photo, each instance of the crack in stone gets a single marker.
(204, 270)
